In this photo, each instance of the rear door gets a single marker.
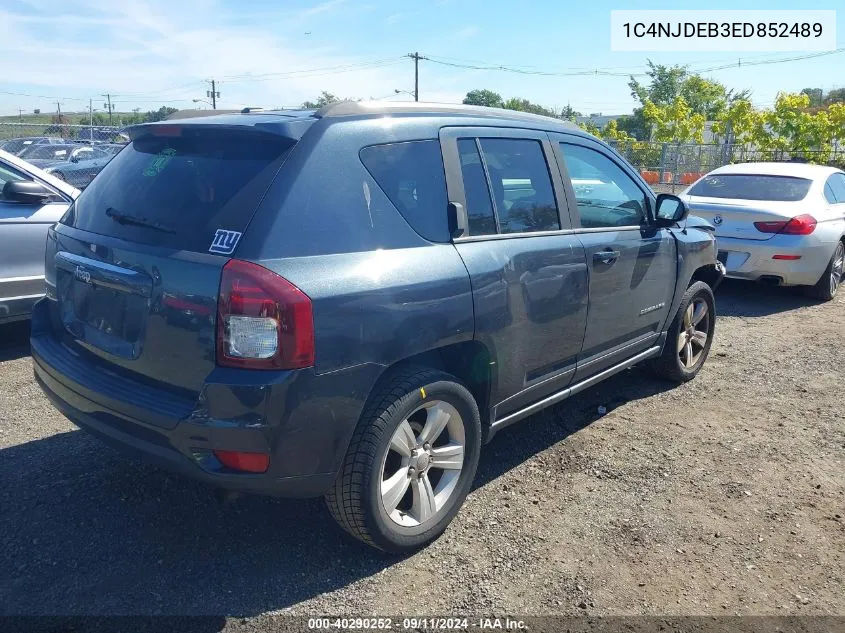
(135, 267)
(526, 268)
(632, 264)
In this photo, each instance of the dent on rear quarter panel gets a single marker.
(383, 306)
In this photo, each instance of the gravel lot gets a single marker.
(722, 496)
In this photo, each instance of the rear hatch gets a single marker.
(136, 262)
(734, 202)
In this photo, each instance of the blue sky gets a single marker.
(148, 53)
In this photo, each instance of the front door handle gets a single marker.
(606, 256)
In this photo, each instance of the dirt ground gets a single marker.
(722, 496)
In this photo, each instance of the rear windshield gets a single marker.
(192, 189)
(751, 187)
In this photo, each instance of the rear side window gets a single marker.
(752, 187)
(837, 187)
(411, 175)
(480, 216)
(183, 189)
(521, 185)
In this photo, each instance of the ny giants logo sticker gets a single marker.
(224, 242)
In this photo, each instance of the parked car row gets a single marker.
(217, 305)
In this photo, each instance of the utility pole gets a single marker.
(213, 94)
(59, 110)
(91, 120)
(107, 105)
(416, 57)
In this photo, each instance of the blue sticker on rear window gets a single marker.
(224, 242)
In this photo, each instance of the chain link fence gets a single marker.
(76, 153)
(73, 153)
(672, 167)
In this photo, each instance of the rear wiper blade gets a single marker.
(125, 218)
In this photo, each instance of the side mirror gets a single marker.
(670, 210)
(26, 192)
(74, 159)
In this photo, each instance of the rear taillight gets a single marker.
(263, 320)
(799, 225)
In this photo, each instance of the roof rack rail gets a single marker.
(353, 108)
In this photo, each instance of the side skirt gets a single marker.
(516, 416)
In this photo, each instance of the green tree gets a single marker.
(589, 127)
(835, 96)
(159, 115)
(815, 95)
(569, 113)
(674, 122)
(324, 99)
(483, 97)
(741, 122)
(666, 84)
(524, 105)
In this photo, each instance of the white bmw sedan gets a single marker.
(777, 223)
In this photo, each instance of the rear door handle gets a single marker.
(606, 256)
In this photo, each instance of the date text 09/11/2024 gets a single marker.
(427, 623)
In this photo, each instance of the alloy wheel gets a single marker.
(423, 464)
(836, 268)
(692, 339)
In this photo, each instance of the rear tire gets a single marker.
(827, 286)
(690, 335)
(410, 463)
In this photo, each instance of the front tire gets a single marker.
(827, 286)
(410, 463)
(690, 335)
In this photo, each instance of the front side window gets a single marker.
(9, 174)
(411, 175)
(521, 185)
(606, 195)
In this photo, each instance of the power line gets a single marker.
(612, 73)
(443, 61)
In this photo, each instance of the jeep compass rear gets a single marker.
(150, 334)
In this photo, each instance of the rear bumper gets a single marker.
(303, 420)
(753, 259)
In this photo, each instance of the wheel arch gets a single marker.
(709, 274)
(469, 361)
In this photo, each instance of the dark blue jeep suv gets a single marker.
(350, 302)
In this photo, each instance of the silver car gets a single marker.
(778, 223)
(30, 202)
